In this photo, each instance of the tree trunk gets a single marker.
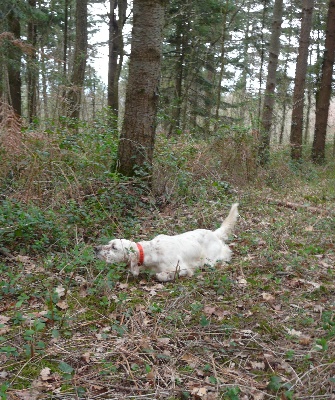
(44, 85)
(261, 67)
(221, 68)
(299, 82)
(79, 64)
(266, 122)
(181, 41)
(308, 113)
(310, 87)
(245, 55)
(324, 92)
(32, 67)
(65, 34)
(138, 133)
(14, 65)
(285, 82)
(115, 53)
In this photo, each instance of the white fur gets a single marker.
(171, 256)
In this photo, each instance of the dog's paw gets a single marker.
(165, 276)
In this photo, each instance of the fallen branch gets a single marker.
(296, 206)
(5, 253)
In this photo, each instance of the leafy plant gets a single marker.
(29, 227)
(275, 383)
(204, 321)
(328, 323)
(9, 281)
(67, 370)
(9, 350)
(3, 390)
(322, 344)
(31, 336)
(232, 393)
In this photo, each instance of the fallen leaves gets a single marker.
(268, 297)
(258, 365)
(293, 332)
(163, 340)
(45, 374)
(199, 392)
(154, 289)
(305, 340)
(138, 337)
(242, 281)
(214, 311)
(4, 328)
(60, 290)
(86, 357)
(46, 381)
(62, 305)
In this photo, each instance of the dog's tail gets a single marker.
(228, 224)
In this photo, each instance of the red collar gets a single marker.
(141, 251)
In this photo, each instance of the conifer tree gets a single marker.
(324, 91)
(299, 82)
(139, 126)
(269, 98)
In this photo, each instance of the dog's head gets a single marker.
(119, 251)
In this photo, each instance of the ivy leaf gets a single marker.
(204, 321)
(66, 368)
(275, 383)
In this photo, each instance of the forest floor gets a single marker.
(262, 327)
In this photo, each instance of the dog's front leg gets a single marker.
(134, 267)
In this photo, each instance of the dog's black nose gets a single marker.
(96, 249)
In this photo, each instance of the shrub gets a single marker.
(28, 228)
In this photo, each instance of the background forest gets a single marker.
(224, 65)
(199, 104)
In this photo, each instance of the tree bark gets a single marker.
(285, 82)
(324, 92)
(115, 53)
(261, 67)
(79, 64)
(14, 65)
(222, 67)
(65, 34)
(310, 86)
(44, 84)
(181, 41)
(32, 67)
(299, 82)
(267, 115)
(138, 133)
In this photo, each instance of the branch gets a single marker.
(296, 206)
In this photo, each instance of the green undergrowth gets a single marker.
(260, 327)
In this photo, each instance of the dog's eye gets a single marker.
(113, 246)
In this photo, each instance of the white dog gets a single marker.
(171, 256)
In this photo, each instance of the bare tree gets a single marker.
(324, 92)
(138, 133)
(299, 82)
